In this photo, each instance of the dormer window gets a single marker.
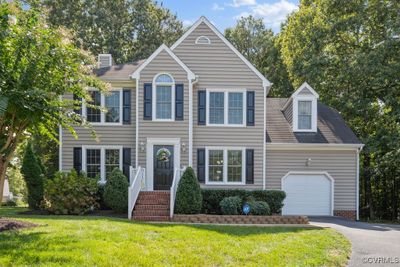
(304, 107)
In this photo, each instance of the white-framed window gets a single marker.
(203, 40)
(111, 101)
(100, 161)
(225, 165)
(305, 114)
(226, 107)
(163, 97)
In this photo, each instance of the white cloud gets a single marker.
(187, 23)
(217, 7)
(238, 3)
(272, 14)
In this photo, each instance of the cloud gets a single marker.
(187, 23)
(272, 14)
(217, 7)
(239, 3)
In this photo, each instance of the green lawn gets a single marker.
(102, 241)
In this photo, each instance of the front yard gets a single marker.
(104, 241)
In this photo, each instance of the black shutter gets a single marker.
(179, 102)
(126, 106)
(201, 165)
(126, 161)
(148, 91)
(250, 108)
(78, 159)
(77, 109)
(249, 166)
(201, 106)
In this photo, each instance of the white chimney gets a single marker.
(105, 60)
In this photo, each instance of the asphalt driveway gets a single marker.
(372, 244)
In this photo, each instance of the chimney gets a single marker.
(105, 60)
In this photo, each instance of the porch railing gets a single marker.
(136, 183)
(175, 182)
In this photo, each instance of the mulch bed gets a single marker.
(9, 224)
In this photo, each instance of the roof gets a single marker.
(118, 72)
(332, 129)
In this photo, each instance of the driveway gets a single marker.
(373, 244)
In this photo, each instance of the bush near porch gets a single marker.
(213, 197)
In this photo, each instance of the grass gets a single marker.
(103, 241)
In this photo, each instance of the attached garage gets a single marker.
(308, 194)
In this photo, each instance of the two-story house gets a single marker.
(201, 103)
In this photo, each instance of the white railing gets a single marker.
(175, 182)
(136, 183)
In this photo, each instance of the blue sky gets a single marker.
(224, 13)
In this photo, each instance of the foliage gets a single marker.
(9, 203)
(231, 205)
(258, 44)
(70, 193)
(105, 241)
(212, 198)
(48, 151)
(128, 29)
(33, 175)
(115, 193)
(39, 64)
(17, 183)
(188, 195)
(350, 52)
(258, 207)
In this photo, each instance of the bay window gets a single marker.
(225, 165)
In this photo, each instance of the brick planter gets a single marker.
(239, 219)
(348, 214)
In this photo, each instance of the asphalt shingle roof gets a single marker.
(121, 71)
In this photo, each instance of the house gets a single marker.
(200, 103)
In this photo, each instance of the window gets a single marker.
(164, 86)
(225, 165)
(110, 101)
(304, 115)
(203, 40)
(226, 108)
(93, 162)
(101, 161)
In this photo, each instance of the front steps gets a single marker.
(152, 206)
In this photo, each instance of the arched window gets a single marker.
(164, 86)
(203, 40)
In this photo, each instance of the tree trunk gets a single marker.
(3, 169)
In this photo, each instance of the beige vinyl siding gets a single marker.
(163, 63)
(341, 165)
(117, 135)
(288, 112)
(218, 67)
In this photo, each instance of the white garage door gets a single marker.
(307, 194)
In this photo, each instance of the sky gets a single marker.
(225, 13)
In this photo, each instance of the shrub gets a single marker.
(33, 175)
(10, 203)
(70, 193)
(212, 198)
(231, 205)
(115, 194)
(188, 196)
(259, 208)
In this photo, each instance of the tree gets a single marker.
(350, 52)
(38, 65)
(259, 46)
(33, 175)
(128, 29)
(188, 195)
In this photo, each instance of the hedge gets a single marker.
(213, 197)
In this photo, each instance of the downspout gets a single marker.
(60, 158)
(191, 83)
(358, 183)
(137, 125)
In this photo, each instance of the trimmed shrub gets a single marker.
(33, 176)
(115, 193)
(188, 195)
(70, 193)
(259, 208)
(231, 205)
(212, 198)
(10, 203)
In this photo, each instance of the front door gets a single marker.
(163, 166)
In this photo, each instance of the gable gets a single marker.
(216, 62)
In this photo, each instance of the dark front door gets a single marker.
(163, 167)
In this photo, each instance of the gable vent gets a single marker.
(105, 60)
(203, 40)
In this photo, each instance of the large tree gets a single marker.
(127, 29)
(350, 52)
(38, 65)
(258, 44)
